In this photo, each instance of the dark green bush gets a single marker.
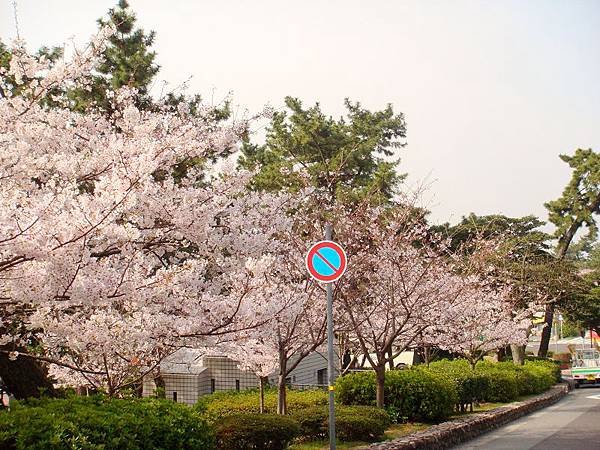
(413, 394)
(221, 404)
(360, 426)
(256, 431)
(503, 383)
(102, 423)
(366, 423)
(471, 386)
(313, 422)
(502, 386)
(497, 382)
(420, 394)
(356, 388)
(552, 368)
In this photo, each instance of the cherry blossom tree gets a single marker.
(104, 254)
(478, 320)
(396, 279)
(516, 272)
(298, 327)
(279, 345)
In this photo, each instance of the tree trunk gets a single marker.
(281, 386)
(473, 363)
(391, 360)
(518, 354)
(546, 332)
(159, 382)
(561, 250)
(261, 388)
(281, 396)
(501, 355)
(380, 383)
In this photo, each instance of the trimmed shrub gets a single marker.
(497, 382)
(552, 367)
(356, 388)
(256, 431)
(471, 386)
(102, 423)
(365, 423)
(502, 386)
(412, 394)
(222, 404)
(420, 394)
(534, 377)
(352, 426)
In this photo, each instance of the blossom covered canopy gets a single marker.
(113, 259)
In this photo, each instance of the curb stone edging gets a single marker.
(454, 432)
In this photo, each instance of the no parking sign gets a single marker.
(326, 261)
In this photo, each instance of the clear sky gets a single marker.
(492, 91)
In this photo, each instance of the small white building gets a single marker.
(311, 372)
(188, 374)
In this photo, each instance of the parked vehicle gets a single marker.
(586, 366)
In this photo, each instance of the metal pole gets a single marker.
(330, 354)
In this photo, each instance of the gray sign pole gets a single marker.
(330, 354)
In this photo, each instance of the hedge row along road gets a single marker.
(572, 423)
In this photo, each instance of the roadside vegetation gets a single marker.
(417, 398)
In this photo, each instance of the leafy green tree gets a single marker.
(521, 234)
(523, 260)
(127, 61)
(577, 207)
(584, 309)
(346, 159)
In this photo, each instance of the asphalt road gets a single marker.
(572, 423)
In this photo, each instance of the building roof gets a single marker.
(183, 361)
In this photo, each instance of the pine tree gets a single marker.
(577, 207)
(127, 61)
(347, 159)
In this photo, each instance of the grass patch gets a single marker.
(394, 432)
(487, 406)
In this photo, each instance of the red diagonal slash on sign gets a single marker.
(326, 261)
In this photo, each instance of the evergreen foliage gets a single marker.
(127, 61)
(346, 159)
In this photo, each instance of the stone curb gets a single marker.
(456, 431)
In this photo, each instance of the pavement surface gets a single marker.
(572, 423)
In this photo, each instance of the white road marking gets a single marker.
(595, 397)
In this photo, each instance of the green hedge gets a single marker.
(100, 423)
(471, 386)
(356, 388)
(498, 382)
(365, 423)
(432, 393)
(411, 394)
(503, 386)
(256, 431)
(222, 404)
